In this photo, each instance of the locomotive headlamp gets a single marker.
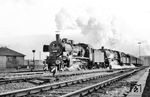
(57, 62)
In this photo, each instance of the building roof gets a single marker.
(4, 51)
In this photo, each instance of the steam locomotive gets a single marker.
(64, 53)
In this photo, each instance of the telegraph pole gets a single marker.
(39, 55)
(33, 58)
(139, 43)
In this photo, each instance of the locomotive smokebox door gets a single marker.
(45, 48)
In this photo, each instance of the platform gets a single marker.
(139, 87)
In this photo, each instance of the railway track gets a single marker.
(19, 74)
(28, 83)
(88, 72)
(74, 87)
(18, 78)
(59, 74)
(87, 91)
(39, 78)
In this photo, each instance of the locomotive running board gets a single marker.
(81, 58)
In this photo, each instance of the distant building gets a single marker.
(10, 58)
(146, 60)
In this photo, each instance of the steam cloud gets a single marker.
(94, 30)
(63, 20)
(97, 33)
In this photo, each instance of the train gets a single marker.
(65, 53)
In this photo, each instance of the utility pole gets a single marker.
(33, 58)
(39, 55)
(139, 43)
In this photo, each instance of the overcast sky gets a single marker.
(117, 24)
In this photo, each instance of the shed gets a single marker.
(10, 58)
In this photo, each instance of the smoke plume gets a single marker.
(96, 30)
(92, 28)
(64, 20)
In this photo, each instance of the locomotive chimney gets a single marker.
(57, 36)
